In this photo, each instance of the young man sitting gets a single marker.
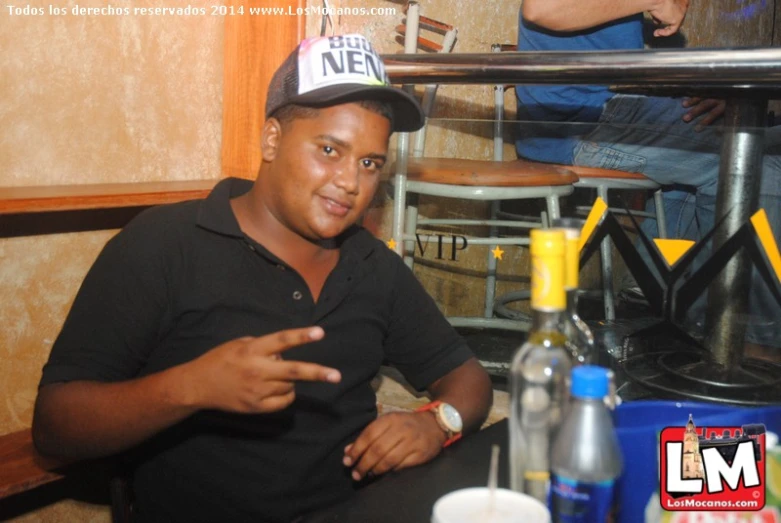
(226, 345)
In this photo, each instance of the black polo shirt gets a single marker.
(181, 279)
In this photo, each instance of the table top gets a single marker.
(22, 467)
(409, 495)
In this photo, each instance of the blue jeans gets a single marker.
(647, 135)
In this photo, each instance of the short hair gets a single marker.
(287, 113)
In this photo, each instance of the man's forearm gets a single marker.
(468, 389)
(575, 15)
(85, 419)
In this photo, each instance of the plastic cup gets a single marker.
(473, 505)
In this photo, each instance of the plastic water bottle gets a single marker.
(586, 458)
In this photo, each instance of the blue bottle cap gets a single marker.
(589, 381)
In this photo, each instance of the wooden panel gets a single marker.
(99, 196)
(255, 45)
(21, 467)
(729, 23)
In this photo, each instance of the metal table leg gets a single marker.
(740, 175)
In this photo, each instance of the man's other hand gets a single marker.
(669, 15)
(248, 374)
(710, 109)
(394, 441)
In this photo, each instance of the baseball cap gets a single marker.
(330, 70)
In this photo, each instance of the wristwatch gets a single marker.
(448, 419)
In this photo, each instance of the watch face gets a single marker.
(451, 418)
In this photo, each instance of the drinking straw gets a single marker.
(493, 479)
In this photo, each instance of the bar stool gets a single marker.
(481, 180)
(604, 180)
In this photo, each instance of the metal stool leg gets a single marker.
(410, 229)
(490, 278)
(554, 211)
(400, 193)
(661, 222)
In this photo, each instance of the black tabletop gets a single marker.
(409, 495)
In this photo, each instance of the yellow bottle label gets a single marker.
(547, 250)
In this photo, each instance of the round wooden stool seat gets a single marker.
(516, 173)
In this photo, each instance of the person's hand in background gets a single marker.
(669, 15)
(708, 110)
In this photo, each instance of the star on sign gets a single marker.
(497, 252)
(391, 243)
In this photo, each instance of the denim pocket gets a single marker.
(592, 154)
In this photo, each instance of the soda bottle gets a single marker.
(586, 458)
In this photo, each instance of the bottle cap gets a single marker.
(547, 267)
(589, 381)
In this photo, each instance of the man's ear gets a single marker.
(270, 139)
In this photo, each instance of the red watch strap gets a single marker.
(451, 440)
(429, 406)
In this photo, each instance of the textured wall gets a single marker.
(737, 23)
(91, 99)
(109, 98)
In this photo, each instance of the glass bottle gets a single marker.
(580, 340)
(540, 369)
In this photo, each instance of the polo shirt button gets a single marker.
(251, 247)
(280, 267)
(297, 295)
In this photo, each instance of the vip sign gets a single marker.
(713, 468)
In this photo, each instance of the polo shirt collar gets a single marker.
(357, 242)
(216, 214)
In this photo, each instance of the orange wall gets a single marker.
(247, 71)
